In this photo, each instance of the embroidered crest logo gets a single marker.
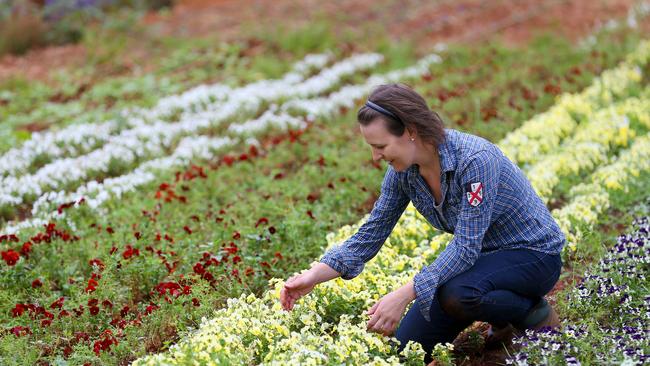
(475, 193)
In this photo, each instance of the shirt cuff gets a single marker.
(337, 265)
(425, 290)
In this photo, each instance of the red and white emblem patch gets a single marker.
(475, 193)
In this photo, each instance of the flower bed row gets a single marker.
(137, 144)
(543, 133)
(205, 148)
(609, 312)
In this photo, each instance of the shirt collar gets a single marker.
(447, 156)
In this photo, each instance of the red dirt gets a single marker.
(423, 23)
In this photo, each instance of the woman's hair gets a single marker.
(410, 109)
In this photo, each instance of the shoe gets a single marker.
(542, 315)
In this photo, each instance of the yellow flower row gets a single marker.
(543, 133)
(589, 146)
(591, 199)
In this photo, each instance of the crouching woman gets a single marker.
(505, 252)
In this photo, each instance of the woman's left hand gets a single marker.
(388, 311)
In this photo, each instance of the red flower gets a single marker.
(249, 271)
(236, 259)
(94, 310)
(26, 248)
(196, 302)
(278, 176)
(37, 283)
(137, 235)
(263, 220)
(130, 252)
(236, 235)
(113, 250)
(124, 311)
(272, 230)
(18, 310)
(10, 256)
(96, 262)
(321, 161)
(187, 229)
(109, 230)
(57, 304)
(199, 269)
(253, 150)
(187, 290)
(92, 285)
(46, 323)
(20, 331)
(232, 249)
(228, 160)
(312, 197)
(310, 214)
(151, 308)
(278, 255)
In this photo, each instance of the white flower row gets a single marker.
(146, 141)
(95, 193)
(82, 138)
(206, 94)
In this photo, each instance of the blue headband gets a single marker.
(382, 110)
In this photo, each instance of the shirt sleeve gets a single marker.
(350, 257)
(480, 181)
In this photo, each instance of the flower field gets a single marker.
(153, 220)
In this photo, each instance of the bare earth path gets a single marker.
(422, 22)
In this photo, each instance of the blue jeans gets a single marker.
(500, 288)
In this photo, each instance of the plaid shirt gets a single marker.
(487, 203)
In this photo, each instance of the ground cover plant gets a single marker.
(115, 262)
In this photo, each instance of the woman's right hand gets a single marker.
(295, 288)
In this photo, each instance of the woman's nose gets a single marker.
(376, 156)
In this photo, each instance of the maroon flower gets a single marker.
(261, 221)
(37, 283)
(94, 310)
(18, 310)
(10, 257)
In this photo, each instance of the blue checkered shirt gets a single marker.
(504, 212)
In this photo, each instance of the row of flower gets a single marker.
(146, 243)
(543, 133)
(608, 311)
(114, 157)
(138, 144)
(254, 330)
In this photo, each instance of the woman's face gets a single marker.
(399, 152)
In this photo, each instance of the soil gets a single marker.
(424, 23)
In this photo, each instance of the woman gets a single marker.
(505, 252)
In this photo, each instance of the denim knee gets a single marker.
(459, 301)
